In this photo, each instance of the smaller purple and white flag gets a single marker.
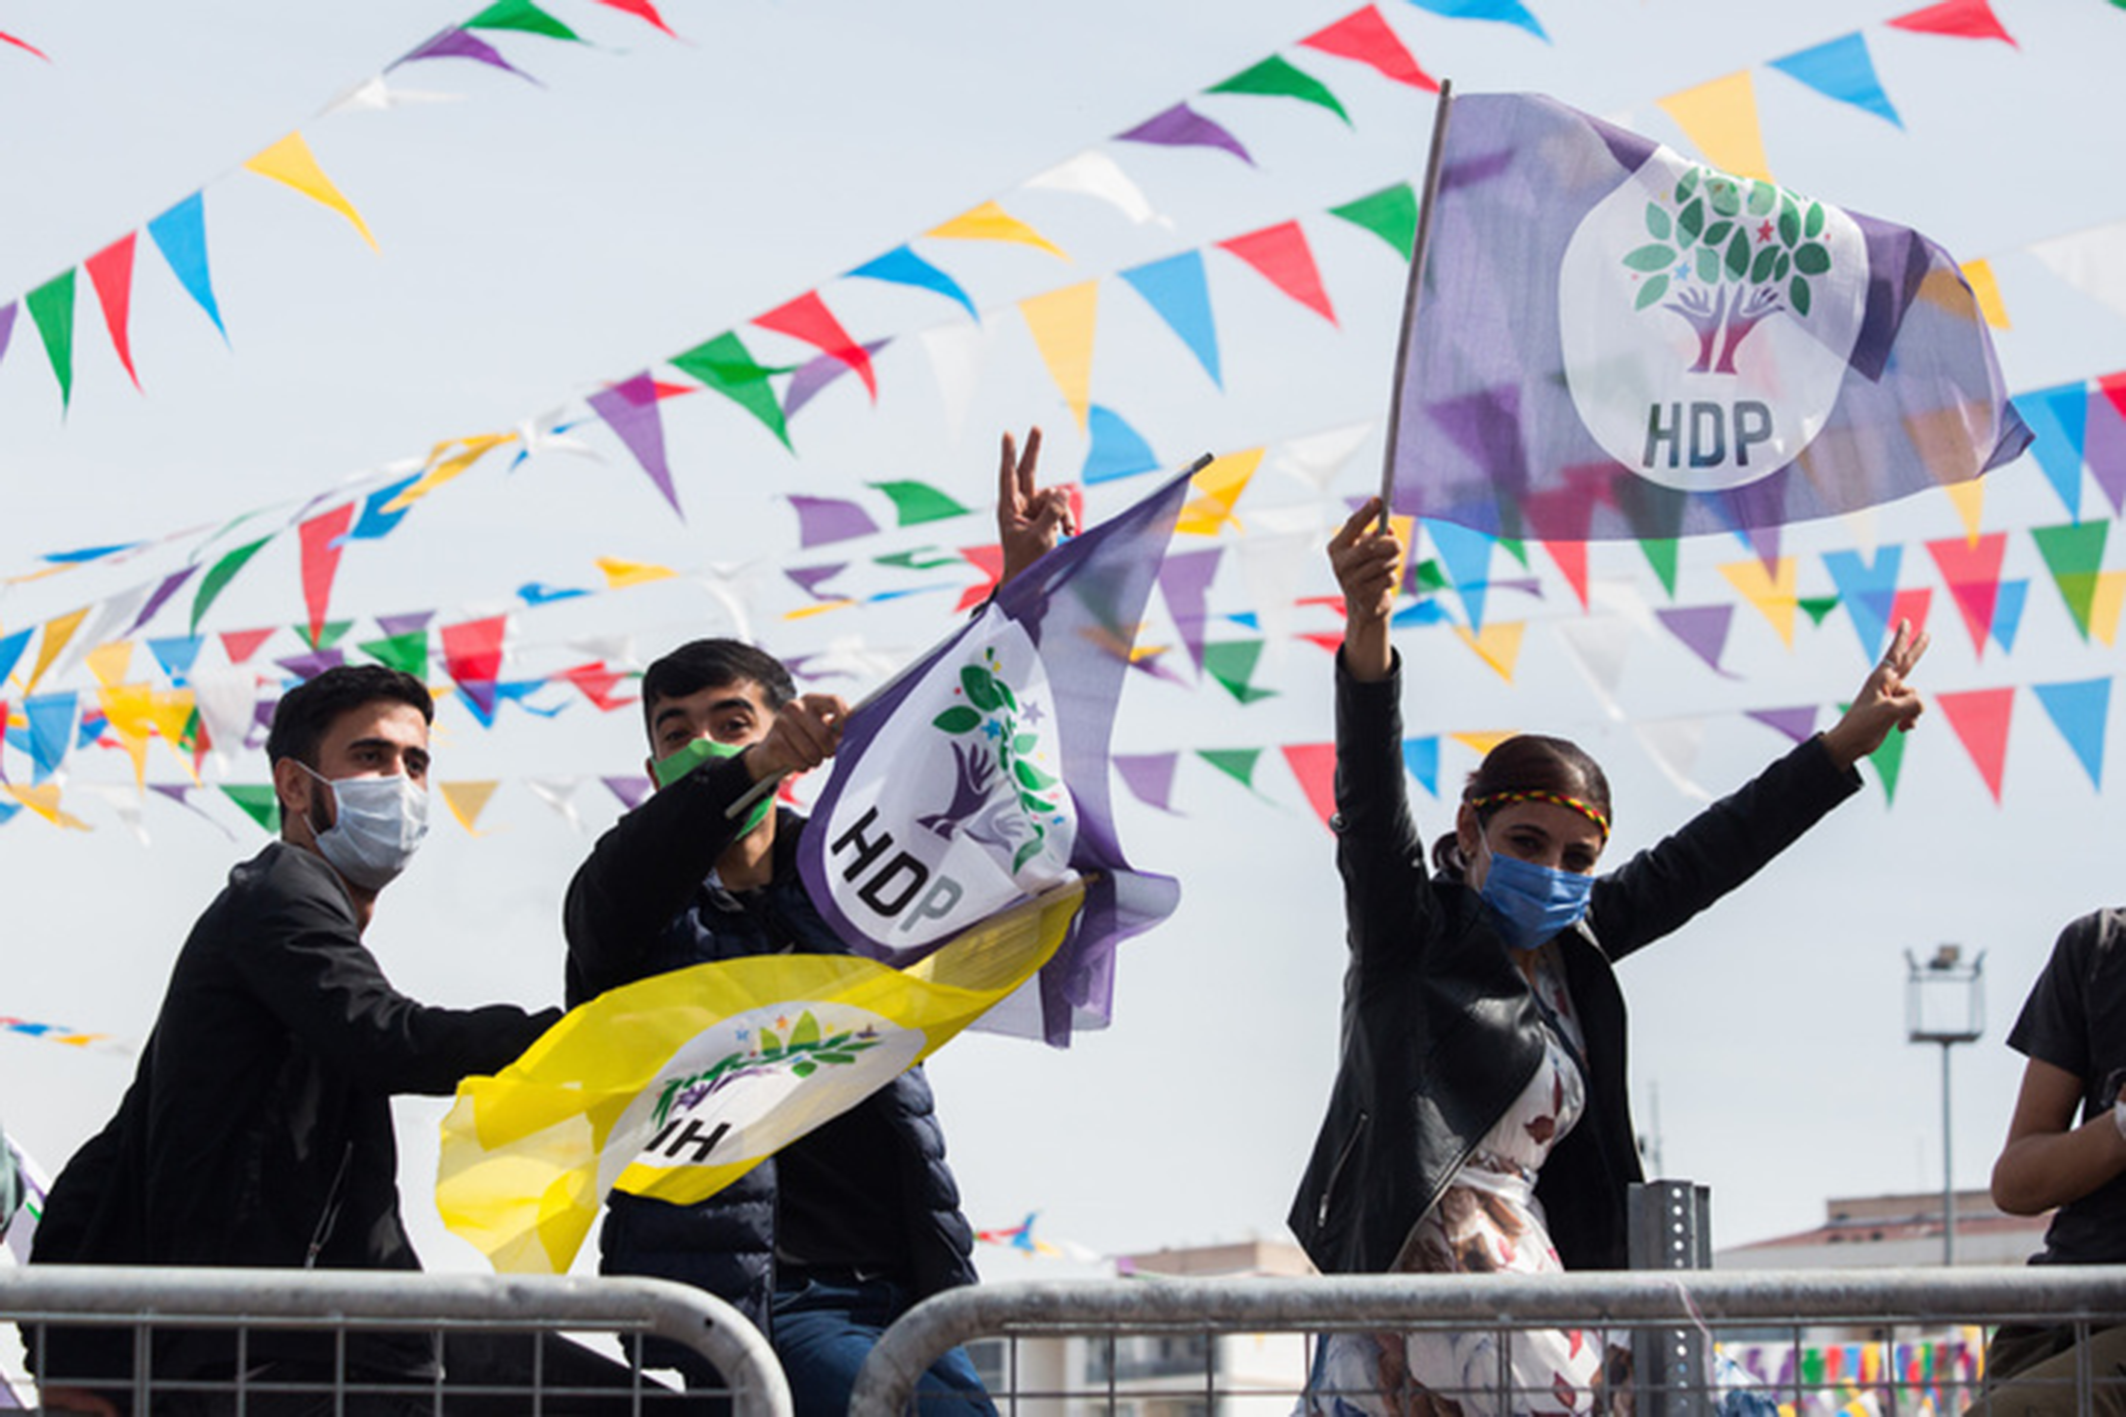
(979, 778)
(1614, 341)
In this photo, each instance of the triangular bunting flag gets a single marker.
(1390, 214)
(1960, 19)
(1281, 256)
(523, 16)
(1771, 594)
(1421, 760)
(1798, 724)
(258, 802)
(2074, 553)
(1216, 491)
(1061, 323)
(1364, 36)
(1842, 69)
(1278, 77)
(1505, 12)
(807, 318)
(51, 307)
(1980, 718)
(320, 539)
(917, 502)
(2078, 710)
(1117, 450)
(181, 235)
(990, 222)
(1149, 777)
(290, 163)
(1178, 294)
(111, 273)
(467, 800)
(1498, 644)
(1702, 629)
(629, 408)
(901, 266)
(1232, 664)
(1236, 763)
(407, 653)
(1183, 127)
(1314, 765)
(723, 364)
(1720, 119)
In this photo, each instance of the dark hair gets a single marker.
(1526, 762)
(306, 711)
(705, 664)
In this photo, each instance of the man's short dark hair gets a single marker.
(706, 664)
(305, 712)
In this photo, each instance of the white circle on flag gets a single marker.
(750, 1084)
(1704, 371)
(956, 809)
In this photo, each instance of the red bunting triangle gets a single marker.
(640, 9)
(240, 645)
(1959, 19)
(111, 272)
(2113, 387)
(1571, 557)
(1330, 640)
(1980, 718)
(1973, 575)
(1911, 606)
(1281, 255)
(1363, 35)
(596, 681)
(320, 538)
(1314, 764)
(989, 560)
(472, 650)
(808, 318)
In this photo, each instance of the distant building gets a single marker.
(1875, 1232)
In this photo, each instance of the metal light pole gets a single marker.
(1945, 1003)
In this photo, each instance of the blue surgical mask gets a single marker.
(1531, 903)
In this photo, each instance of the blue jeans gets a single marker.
(823, 1331)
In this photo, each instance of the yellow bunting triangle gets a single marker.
(172, 710)
(990, 222)
(289, 162)
(1498, 644)
(1481, 744)
(1970, 500)
(57, 632)
(129, 708)
(1987, 291)
(1218, 488)
(447, 460)
(806, 612)
(2104, 606)
(44, 801)
(467, 800)
(619, 573)
(110, 662)
(1720, 117)
(1062, 325)
(1773, 595)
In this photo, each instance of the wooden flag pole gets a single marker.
(1419, 247)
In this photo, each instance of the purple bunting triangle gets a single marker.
(312, 664)
(1795, 723)
(1702, 628)
(1149, 777)
(630, 790)
(1184, 581)
(2103, 448)
(824, 519)
(7, 324)
(405, 624)
(163, 592)
(811, 578)
(1183, 127)
(461, 44)
(629, 408)
(816, 373)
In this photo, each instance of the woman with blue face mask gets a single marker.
(1479, 1120)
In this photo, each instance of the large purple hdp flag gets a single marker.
(979, 777)
(1615, 341)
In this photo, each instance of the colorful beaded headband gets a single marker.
(1501, 799)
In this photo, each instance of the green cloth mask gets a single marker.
(677, 765)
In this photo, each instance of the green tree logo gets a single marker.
(804, 1050)
(995, 768)
(1727, 254)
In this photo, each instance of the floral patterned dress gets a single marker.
(1488, 1221)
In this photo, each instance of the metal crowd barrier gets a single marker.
(1221, 1347)
(516, 1326)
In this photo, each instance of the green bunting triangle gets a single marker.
(1888, 760)
(1818, 606)
(723, 364)
(1515, 547)
(219, 575)
(2074, 553)
(520, 15)
(915, 502)
(1390, 214)
(922, 558)
(1236, 763)
(333, 632)
(52, 307)
(1232, 664)
(1430, 577)
(1275, 77)
(259, 802)
(407, 653)
(1660, 553)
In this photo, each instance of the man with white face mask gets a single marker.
(258, 1128)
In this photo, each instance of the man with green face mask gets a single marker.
(829, 1241)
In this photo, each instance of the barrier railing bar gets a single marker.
(113, 1296)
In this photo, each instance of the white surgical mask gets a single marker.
(379, 823)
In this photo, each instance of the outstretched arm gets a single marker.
(1885, 701)
(1369, 567)
(1030, 519)
(2047, 1160)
